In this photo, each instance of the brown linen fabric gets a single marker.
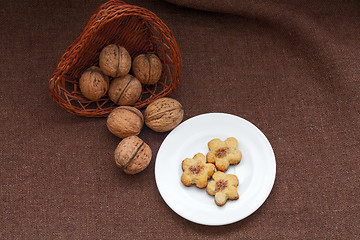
(289, 67)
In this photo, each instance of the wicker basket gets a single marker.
(135, 28)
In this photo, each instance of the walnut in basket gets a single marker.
(93, 83)
(125, 121)
(132, 155)
(115, 61)
(164, 114)
(147, 68)
(125, 90)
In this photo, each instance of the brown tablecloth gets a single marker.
(290, 67)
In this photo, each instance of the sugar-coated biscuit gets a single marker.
(223, 153)
(196, 171)
(223, 187)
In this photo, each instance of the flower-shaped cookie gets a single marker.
(196, 171)
(223, 187)
(223, 153)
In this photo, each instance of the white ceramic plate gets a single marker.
(256, 171)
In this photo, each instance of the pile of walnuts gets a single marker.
(132, 154)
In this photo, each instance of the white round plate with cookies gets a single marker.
(255, 172)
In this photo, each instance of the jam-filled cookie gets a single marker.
(196, 171)
(223, 187)
(223, 153)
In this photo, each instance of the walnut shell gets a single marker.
(125, 90)
(132, 155)
(115, 61)
(164, 114)
(93, 83)
(125, 121)
(147, 68)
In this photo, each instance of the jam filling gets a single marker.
(220, 185)
(196, 169)
(221, 152)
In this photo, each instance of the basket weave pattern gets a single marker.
(135, 28)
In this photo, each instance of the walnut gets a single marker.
(147, 68)
(125, 90)
(93, 83)
(132, 155)
(115, 61)
(164, 114)
(125, 121)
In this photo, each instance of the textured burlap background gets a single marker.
(290, 67)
